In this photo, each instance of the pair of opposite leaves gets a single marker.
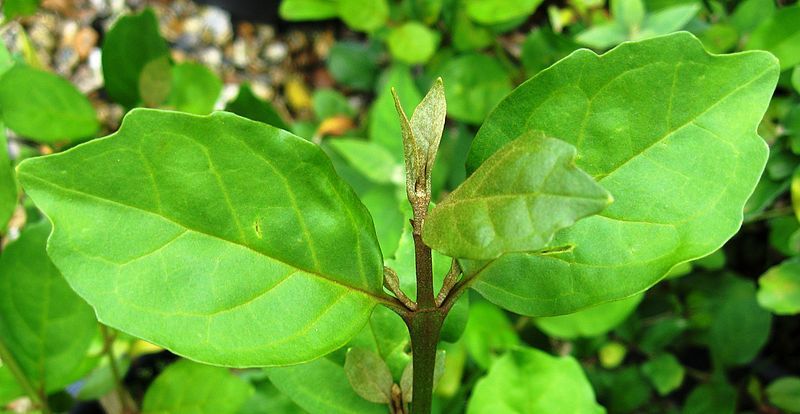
(235, 243)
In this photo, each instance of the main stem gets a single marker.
(127, 406)
(424, 326)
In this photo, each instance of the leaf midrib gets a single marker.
(317, 274)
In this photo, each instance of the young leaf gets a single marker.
(500, 11)
(665, 372)
(383, 126)
(187, 231)
(523, 381)
(294, 10)
(652, 122)
(187, 386)
(628, 13)
(248, 105)
(132, 43)
(427, 123)
(515, 202)
(321, 387)
(413, 43)
(44, 107)
(44, 325)
(668, 20)
(779, 288)
(784, 393)
(780, 35)
(195, 89)
(364, 15)
(8, 185)
(475, 84)
(368, 375)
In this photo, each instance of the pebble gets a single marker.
(217, 24)
(276, 52)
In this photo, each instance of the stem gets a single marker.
(128, 407)
(424, 329)
(424, 265)
(38, 397)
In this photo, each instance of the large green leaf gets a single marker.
(654, 122)
(515, 202)
(589, 322)
(780, 34)
(528, 381)
(44, 107)
(321, 387)
(8, 185)
(44, 325)
(189, 387)
(9, 389)
(223, 239)
(132, 43)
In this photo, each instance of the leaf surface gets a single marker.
(779, 288)
(780, 35)
(8, 185)
(44, 107)
(248, 105)
(528, 381)
(44, 325)
(223, 239)
(321, 387)
(189, 387)
(195, 88)
(652, 122)
(515, 202)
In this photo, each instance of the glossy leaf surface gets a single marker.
(189, 387)
(45, 326)
(652, 122)
(515, 202)
(528, 381)
(223, 239)
(44, 107)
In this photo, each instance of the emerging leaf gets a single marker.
(652, 122)
(223, 239)
(368, 375)
(515, 202)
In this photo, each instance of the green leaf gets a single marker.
(9, 390)
(612, 354)
(784, 393)
(589, 322)
(466, 34)
(354, 64)
(515, 202)
(45, 326)
(628, 13)
(298, 10)
(475, 84)
(779, 288)
(528, 381)
(387, 335)
(44, 107)
(8, 185)
(368, 375)
(665, 372)
(740, 327)
(187, 386)
(667, 20)
(750, 13)
(780, 35)
(488, 334)
(19, 8)
(155, 81)
(370, 159)
(187, 231)
(542, 48)
(500, 11)
(652, 122)
(329, 103)
(321, 387)
(602, 36)
(248, 105)
(413, 43)
(195, 89)
(713, 397)
(131, 43)
(364, 15)
(796, 78)
(267, 399)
